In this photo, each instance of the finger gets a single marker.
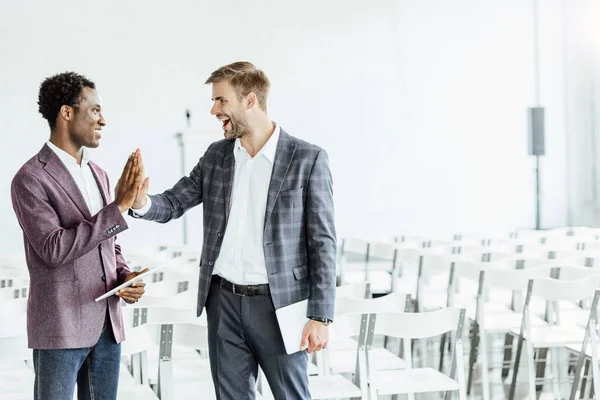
(139, 283)
(139, 178)
(319, 345)
(142, 271)
(132, 291)
(304, 342)
(144, 187)
(129, 300)
(127, 163)
(126, 170)
(133, 172)
(140, 160)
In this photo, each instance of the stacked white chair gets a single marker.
(410, 326)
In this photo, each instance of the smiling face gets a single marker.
(87, 123)
(229, 110)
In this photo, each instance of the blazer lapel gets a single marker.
(283, 158)
(104, 190)
(57, 170)
(228, 175)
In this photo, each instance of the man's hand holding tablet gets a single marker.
(133, 293)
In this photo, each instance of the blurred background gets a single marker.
(421, 105)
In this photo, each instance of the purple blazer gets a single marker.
(71, 255)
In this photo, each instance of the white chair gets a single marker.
(409, 326)
(493, 318)
(587, 351)
(340, 355)
(335, 385)
(16, 372)
(551, 336)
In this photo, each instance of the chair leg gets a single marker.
(542, 354)
(588, 390)
(531, 361)
(472, 354)
(483, 352)
(555, 373)
(508, 343)
(424, 353)
(442, 351)
(513, 385)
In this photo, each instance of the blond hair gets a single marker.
(245, 78)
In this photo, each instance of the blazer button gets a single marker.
(220, 234)
(103, 278)
(210, 263)
(101, 247)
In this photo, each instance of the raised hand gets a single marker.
(140, 200)
(129, 183)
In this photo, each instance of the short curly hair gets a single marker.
(58, 90)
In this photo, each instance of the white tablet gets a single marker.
(128, 283)
(292, 320)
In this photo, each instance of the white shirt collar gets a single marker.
(68, 159)
(268, 150)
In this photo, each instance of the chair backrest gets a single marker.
(512, 279)
(351, 314)
(419, 325)
(432, 262)
(574, 272)
(355, 246)
(352, 290)
(534, 261)
(557, 290)
(393, 302)
(381, 251)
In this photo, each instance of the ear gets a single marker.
(251, 100)
(66, 112)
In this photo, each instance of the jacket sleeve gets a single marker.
(173, 203)
(321, 239)
(55, 244)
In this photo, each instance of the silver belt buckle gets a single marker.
(236, 293)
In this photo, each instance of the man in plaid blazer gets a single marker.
(269, 238)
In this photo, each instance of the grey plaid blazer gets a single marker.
(299, 238)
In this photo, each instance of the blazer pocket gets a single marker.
(301, 272)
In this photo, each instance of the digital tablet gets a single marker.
(128, 283)
(292, 320)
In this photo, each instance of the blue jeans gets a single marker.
(94, 369)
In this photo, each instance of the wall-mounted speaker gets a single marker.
(535, 116)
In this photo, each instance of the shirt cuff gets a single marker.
(140, 212)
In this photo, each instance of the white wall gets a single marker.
(420, 104)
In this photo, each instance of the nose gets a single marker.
(214, 109)
(102, 121)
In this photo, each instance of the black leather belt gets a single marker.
(242, 290)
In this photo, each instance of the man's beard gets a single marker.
(239, 127)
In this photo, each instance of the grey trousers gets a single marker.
(243, 333)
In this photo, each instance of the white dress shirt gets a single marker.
(242, 258)
(83, 176)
